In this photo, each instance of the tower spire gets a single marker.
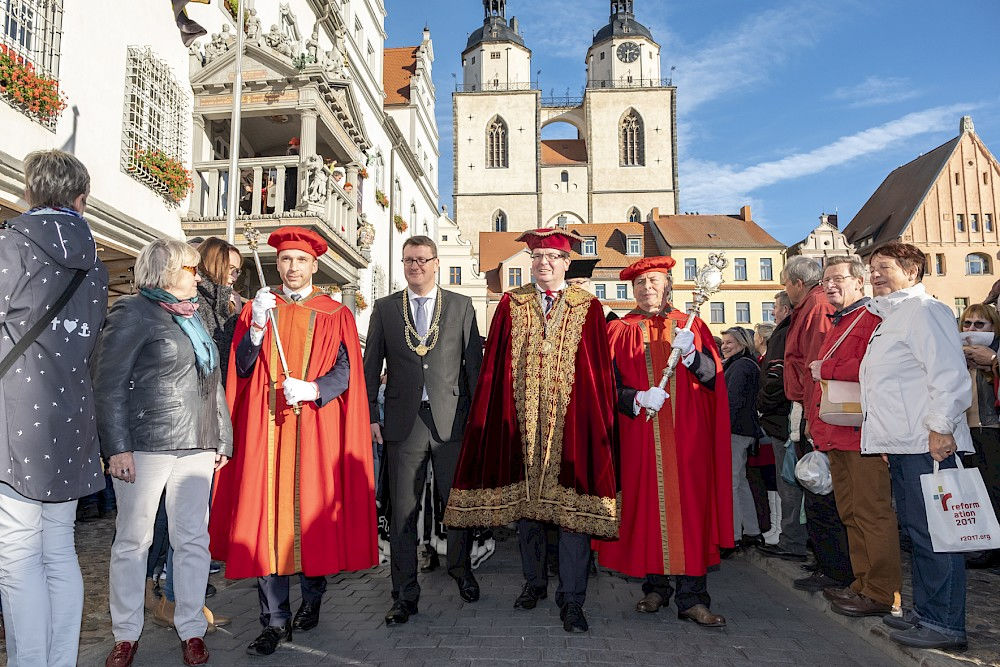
(622, 9)
(495, 9)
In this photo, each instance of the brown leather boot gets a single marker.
(164, 614)
(151, 599)
(650, 604)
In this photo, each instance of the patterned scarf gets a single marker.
(183, 312)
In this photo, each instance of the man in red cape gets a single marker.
(298, 495)
(676, 475)
(541, 441)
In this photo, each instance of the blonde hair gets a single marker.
(161, 260)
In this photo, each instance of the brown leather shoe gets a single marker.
(701, 615)
(860, 605)
(650, 604)
(845, 593)
(164, 614)
(122, 654)
(194, 650)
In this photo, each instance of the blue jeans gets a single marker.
(938, 578)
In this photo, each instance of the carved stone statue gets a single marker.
(366, 232)
(312, 45)
(195, 58)
(253, 28)
(228, 36)
(276, 40)
(289, 24)
(334, 63)
(317, 180)
(216, 47)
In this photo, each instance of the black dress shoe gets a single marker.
(210, 591)
(468, 587)
(400, 612)
(307, 617)
(776, 551)
(530, 596)
(573, 618)
(817, 582)
(268, 640)
(748, 541)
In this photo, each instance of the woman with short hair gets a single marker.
(164, 425)
(914, 394)
(742, 382)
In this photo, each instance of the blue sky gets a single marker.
(795, 107)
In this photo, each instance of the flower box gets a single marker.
(381, 199)
(35, 96)
(359, 301)
(401, 225)
(162, 173)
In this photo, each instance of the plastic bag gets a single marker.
(813, 473)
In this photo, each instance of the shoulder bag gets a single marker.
(840, 403)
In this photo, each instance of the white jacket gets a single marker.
(913, 376)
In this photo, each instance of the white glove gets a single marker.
(651, 399)
(297, 391)
(684, 341)
(263, 302)
(795, 421)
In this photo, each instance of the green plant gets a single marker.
(359, 301)
(400, 223)
(168, 172)
(36, 96)
(381, 199)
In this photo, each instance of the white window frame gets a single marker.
(633, 246)
(599, 291)
(588, 247)
(621, 292)
(32, 30)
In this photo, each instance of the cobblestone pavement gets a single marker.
(769, 622)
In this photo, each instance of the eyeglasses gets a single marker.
(834, 280)
(549, 257)
(193, 270)
(410, 261)
(974, 324)
(235, 272)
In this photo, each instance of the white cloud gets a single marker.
(712, 187)
(875, 91)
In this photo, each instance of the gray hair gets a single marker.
(161, 260)
(742, 336)
(54, 178)
(764, 330)
(804, 269)
(781, 299)
(855, 265)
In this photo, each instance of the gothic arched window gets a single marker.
(496, 144)
(634, 215)
(630, 140)
(499, 221)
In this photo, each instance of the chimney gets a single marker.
(832, 219)
(965, 125)
(655, 214)
(745, 213)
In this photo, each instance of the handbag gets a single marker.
(36, 329)
(840, 400)
(960, 516)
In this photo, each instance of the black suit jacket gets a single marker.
(450, 370)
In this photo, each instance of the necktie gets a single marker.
(421, 316)
(550, 298)
(296, 297)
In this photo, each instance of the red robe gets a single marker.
(676, 470)
(541, 441)
(298, 495)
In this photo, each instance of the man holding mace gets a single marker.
(298, 495)
(540, 444)
(676, 475)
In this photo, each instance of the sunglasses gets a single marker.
(193, 270)
(974, 324)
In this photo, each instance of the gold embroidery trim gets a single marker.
(272, 401)
(662, 506)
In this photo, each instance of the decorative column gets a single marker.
(349, 295)
(198, 141)
(307, 146)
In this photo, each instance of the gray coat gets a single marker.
(450, 370)
(149, 395)
(48, 433)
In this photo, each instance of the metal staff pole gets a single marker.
(232, 195)
(707, 283)
(253, 237)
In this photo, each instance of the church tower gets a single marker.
(496, 130)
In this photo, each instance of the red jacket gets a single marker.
(843, 364)
(805, 336)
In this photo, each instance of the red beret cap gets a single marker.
(297, 238)
(645, 265)
(545, 237)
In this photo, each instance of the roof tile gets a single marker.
(399, 66)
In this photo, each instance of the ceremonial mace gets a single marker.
(707, 283)
(253, 237)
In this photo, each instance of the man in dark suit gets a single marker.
(429, 341)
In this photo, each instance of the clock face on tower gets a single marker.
(628, 52)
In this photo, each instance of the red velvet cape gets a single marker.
(501, 476)
(678, 511)
(334, 503)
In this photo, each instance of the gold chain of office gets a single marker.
(426, 342)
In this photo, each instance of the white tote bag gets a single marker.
(960, 516)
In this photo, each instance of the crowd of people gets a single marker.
(249, 432)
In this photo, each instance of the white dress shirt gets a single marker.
(428, 311)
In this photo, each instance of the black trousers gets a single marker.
(826, 530)
(987, 460)
(273, 592)
(574, 560)
(406, 463)
(690, 590)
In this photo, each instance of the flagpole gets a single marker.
(235, 182)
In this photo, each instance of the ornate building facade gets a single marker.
(622, 162)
